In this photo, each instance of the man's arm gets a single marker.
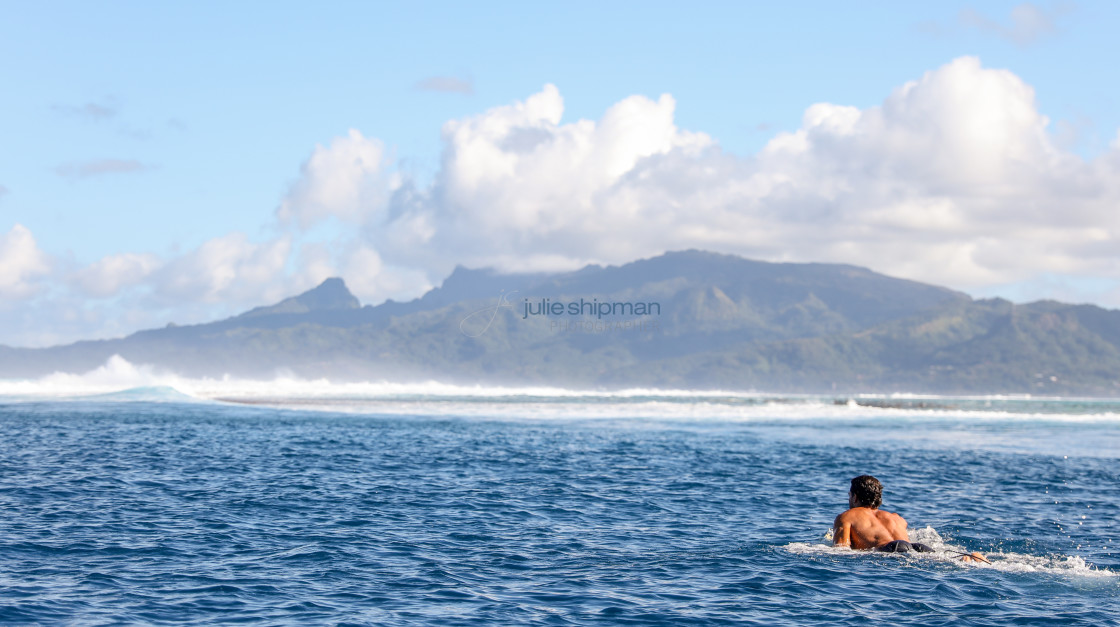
(841, 531)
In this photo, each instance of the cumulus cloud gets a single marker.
(109, 275)
(446, 84)
(228, 269)
(22, 264)
(1028, 23)
(347, 180)
(99, 167)
(518, 189)
(953, 179)
(372, 280)
(122, 293)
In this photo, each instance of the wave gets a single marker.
(1065, 565)
(118, 379)
(147, 393)
(118, 374)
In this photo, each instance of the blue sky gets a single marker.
(159, 161)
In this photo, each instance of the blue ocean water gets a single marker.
(467, 508)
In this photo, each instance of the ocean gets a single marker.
(306, 502)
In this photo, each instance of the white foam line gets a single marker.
(1004, 562)
(433, 397)
(118, 374)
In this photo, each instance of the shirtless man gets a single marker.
(865, 526)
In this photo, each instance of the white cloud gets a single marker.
(371, 280)
(953, 179)
(519, 189)
(228, 269)
(22, 264)
(346, 180)
(314, 264)
(109, 275)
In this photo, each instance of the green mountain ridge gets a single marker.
(723, 322)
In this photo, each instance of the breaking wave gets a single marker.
(121, 380)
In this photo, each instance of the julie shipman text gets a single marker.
(548, 307)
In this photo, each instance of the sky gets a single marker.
(164, 162)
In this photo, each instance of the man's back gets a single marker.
(868, 528)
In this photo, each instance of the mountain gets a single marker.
(687, 319)
(331, 295)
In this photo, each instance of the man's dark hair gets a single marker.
(868, 491)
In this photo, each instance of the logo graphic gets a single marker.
(493, 311)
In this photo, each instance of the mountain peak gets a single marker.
(330, 295)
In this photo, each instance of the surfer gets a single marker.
(865, 526)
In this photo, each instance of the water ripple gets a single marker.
(201, 514)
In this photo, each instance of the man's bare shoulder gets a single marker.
(894, 524)
(886, 516)
(854, 514)
(865, 516)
